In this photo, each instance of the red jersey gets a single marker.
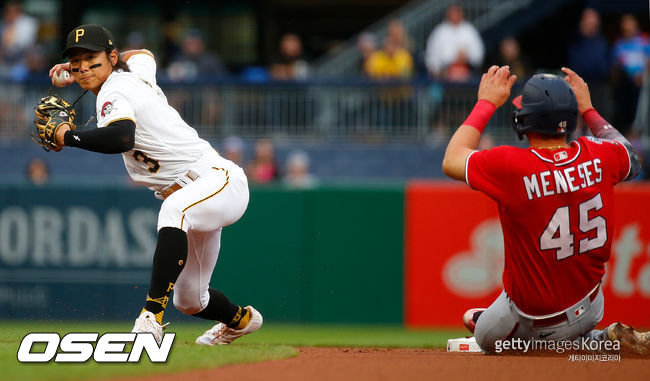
(556, 211)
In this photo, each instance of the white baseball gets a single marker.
(59, 80)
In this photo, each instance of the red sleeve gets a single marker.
(486, 171)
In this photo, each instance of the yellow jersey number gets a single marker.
(154, 165)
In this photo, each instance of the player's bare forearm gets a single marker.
(462, 143)
(493, 91)
(129, 53)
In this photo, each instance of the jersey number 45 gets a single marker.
(557, 234)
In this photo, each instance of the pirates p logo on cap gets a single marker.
(78, 33)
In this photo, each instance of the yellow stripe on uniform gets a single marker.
(117, 120)
(210, 196)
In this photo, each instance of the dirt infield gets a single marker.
(359, 364)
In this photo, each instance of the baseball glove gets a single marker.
(51, 113)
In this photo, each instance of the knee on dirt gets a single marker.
(484, 339)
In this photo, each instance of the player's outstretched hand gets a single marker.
(496, 84)
(580, 89)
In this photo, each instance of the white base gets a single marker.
(463, 344)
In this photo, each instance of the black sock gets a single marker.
(219, 308)
(241, 319)
(168, 262)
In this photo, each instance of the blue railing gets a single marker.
(320, 109)
(331, 109)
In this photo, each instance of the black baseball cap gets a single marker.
(93, 37)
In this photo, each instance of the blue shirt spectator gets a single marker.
(194, 61)
(588, 50)
(632, 50)
(631, 54)
(18, 33)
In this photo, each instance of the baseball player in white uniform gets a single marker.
(202, 191)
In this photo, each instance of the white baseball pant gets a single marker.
(217, 198)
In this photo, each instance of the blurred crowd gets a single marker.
(20, 55)
(454, 52)
(259, 161)
(186, 57)
(263, 166)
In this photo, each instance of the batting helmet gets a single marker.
(546, 105)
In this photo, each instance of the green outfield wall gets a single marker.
(326, 255)
(332, 254)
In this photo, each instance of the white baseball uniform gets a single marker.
(166, 148)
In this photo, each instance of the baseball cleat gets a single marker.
(470, 317)
(631, 340)
(221, 334)
(146, 322)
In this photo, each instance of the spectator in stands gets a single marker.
(454, 47)
(290, 63)
(193, 63)
(170, 44)
(134, 41)
(367, 45)
(18, 33)
(393, 61)
(37, 172)
(234, 150)
(263, 168)
(194, 60)
(297, 171)
(397, 33)
(460, 70)
(510, 54)
(36, 65)
(588, 53)
(631, 54)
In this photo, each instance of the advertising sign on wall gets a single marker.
(454, 254)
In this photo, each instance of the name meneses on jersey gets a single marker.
(559, 181)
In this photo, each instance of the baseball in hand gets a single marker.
(59, 80)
